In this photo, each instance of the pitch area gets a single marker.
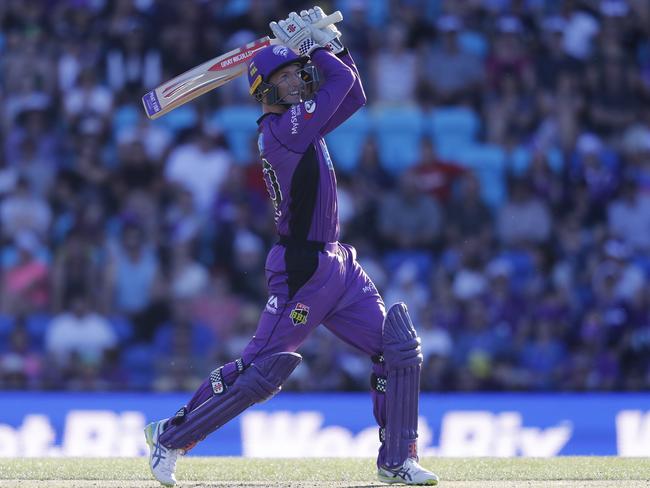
(195, 472)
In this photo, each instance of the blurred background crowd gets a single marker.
(498, 182)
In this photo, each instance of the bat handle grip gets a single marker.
(332, 18)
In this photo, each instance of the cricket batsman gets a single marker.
(312, 278)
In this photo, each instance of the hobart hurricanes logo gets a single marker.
(299, 314)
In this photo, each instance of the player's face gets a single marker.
(289, 83)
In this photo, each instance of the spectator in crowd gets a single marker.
(24, 211)
(543, 356)
(88, 101)
(395, 69)
(78, 265)
(188, 277)
(434, 176)
(524, 218)
(133, 281)
(79, 337)
(21, 363)
(182, 348)
(628, 216)
(409, 218)
(25, 282)
(460, 81)
(467, 213)
(200, 166)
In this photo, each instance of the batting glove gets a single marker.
(327, 37)
(294, 33)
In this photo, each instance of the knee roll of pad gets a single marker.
(400, 340)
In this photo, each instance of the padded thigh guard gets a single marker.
(259, 382)
(403, 363)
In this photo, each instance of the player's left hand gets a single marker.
(327, 37)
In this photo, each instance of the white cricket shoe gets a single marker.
(162, 460)
(409, 473)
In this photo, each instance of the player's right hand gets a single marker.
(327, 37)
(294, 33)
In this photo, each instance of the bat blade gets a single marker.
(201, 79)
(210, 75)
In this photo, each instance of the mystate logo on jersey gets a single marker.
(295, 113)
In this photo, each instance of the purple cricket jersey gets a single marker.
(297, 167)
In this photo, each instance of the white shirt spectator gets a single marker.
(23, 211)
(96, 99)
(630, 220)
(200, 171)
(88, 335)
(396, 69)
(407, 287)
(579, 33)
(468, 284)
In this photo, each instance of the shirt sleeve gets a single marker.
(297, 128)
(355, 99)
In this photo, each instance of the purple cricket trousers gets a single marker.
(334, 291)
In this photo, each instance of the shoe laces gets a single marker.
(412, 465)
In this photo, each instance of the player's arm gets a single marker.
(330, 38)
(302, 123)
(355, 99)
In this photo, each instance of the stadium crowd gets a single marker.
(498, 183)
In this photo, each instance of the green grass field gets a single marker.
(204, 472)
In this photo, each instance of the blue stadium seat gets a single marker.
(488, 163)
(521, 157)
(139, 365)
(398, 130)
(346, 142)
(453, 126)
(238, 123)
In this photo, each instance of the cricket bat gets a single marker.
(211, 74)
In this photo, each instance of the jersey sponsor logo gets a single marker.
(299, 314)
(295, 113)
(272, 305)
(310, 106)
(281, 51)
